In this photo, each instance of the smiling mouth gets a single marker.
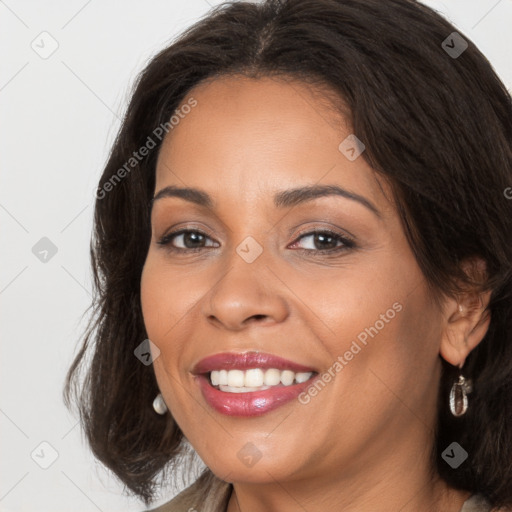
(255, 379)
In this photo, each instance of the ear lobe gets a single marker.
(466, 323)
(453, 335)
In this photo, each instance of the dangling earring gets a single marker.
(459, 395)
(159, 404)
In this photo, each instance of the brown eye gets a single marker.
(189, 239)
(323, 241)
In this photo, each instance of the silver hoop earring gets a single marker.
(159, 404)
(459, 396)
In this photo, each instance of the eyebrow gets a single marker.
(282, 199)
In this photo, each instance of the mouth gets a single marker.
(255, 379)
(246, 361)
(250, 383)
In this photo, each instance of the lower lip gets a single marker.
(254, 403)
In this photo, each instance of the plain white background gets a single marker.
(59, 117)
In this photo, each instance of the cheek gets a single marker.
(383, 361)
(153, 301)
(170, 300)
(162, 307)
(380, 325)
(166, 297)
(391, 354)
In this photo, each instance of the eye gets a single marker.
(325, 241)
(321, 241)
(192, 239)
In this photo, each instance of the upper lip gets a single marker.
(246, 360)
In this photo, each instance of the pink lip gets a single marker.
(254, 403)
(246, 360)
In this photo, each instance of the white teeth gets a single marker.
(302, 377)
(229, 389)
(272, 377)
(223, 377)
(287, 377)
(215, 378)
(255, 379)
(236, 378)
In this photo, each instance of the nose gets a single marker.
(246, 293)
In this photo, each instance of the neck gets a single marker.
(408, 487)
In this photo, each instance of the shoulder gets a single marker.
(207, 494)
(478, 503)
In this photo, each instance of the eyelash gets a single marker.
(348, 243)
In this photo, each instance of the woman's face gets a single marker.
(251, 276)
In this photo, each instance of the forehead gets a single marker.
(247, 135)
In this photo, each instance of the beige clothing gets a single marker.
(217, 493)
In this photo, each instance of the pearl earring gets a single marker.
(159, 404)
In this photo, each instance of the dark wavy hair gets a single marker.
(438, 127)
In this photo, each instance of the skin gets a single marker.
(363, 443)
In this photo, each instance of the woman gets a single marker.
(303, 264)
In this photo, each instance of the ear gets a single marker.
(466, 318)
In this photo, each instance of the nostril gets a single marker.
(256, 318)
